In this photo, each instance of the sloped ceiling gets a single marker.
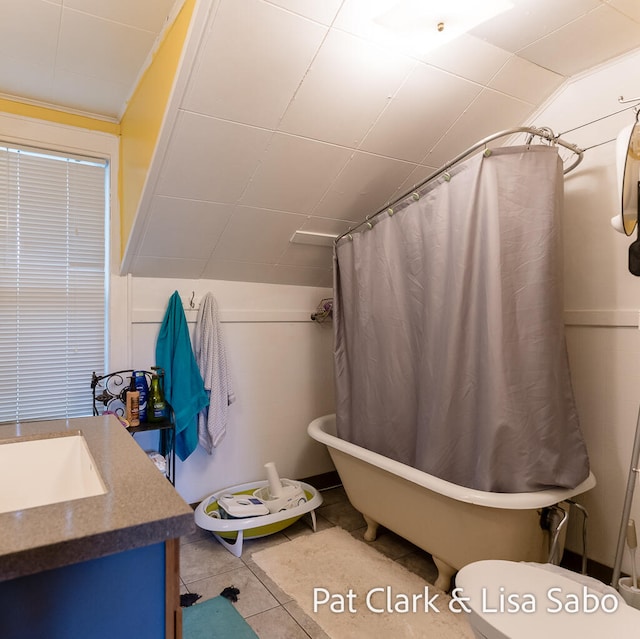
(78, 55)
(288, 116)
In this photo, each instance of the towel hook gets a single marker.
(191, 302)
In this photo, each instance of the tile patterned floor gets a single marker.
(207, 568)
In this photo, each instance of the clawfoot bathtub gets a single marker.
(456, 525)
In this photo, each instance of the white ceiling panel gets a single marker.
(307, 255)
(239, 271)
(257, 235)
(302, 275)
(630, 8)
(524, 80)
(294, 173)
(29, 31)
(323, 12)
(599, 35)
(251, 74)
(341, 95)
(210, 159)
(84, 93)
(19, 77)
(169, 267)
(149, 15)
(183, 227)
(413, 120)
(363, 187)
(491, 112)
(531, 20)
(101, 48)
(419, 174)
(267, 273)
(469, 57)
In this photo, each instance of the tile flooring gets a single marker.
(207, 568)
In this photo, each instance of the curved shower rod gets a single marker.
(543, 132)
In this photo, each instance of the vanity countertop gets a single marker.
(140, 507)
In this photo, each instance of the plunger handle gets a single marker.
(632, 542)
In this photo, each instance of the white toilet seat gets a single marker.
(511, 600)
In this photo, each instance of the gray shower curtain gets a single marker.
(450, 352)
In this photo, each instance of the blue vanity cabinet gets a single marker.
(103, 566)
(118, 596)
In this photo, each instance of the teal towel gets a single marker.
(215, 618)
(183, 385)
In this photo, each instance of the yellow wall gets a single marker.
(142, 120)
(61, 117)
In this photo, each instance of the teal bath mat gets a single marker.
(215, 619)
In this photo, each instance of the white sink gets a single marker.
(37, 472)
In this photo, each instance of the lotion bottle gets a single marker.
(132, 406)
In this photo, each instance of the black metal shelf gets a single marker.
(109, 395)
(147, 426)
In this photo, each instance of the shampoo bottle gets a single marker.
(156, 406)
(143, 388)
(132, 406)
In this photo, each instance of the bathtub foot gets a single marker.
(445, 573)
(371, 532)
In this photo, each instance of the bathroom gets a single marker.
(266, 287)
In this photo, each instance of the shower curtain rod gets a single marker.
(543, 132)
(621, 100)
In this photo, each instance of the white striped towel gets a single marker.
(212, 362)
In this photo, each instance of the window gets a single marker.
(53, 281)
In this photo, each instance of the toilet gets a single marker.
(518, 600)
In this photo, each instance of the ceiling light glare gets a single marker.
(421, 26)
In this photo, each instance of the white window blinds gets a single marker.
(53, 282)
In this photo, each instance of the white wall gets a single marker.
(281, 369)
(601, 297)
